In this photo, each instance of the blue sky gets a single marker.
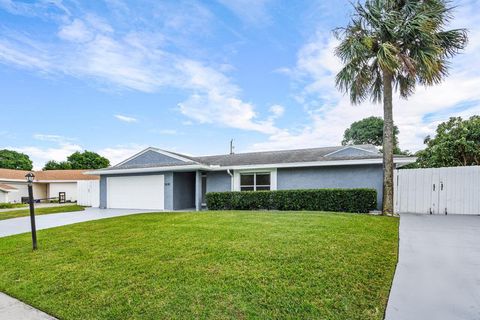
(116, 76)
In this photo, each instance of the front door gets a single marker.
(204, 189)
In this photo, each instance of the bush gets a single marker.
(340, 200)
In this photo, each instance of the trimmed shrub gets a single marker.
(340, 200)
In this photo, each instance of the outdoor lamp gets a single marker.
(30, 176)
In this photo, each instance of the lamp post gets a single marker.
(30, 176)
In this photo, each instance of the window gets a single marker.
(255, 181)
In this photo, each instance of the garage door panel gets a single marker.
(136, 192)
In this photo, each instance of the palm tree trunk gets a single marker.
(387, 144)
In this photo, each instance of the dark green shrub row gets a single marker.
(341, 200)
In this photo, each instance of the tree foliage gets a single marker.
(456, 143)
(403, 38)
(368, 131)
(10, 159)
(79, 160)
(57, 165)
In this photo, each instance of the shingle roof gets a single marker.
(11, 174)
(63, 175)
(152, 165)
(356, 152)
(48, 175)
(289, 156)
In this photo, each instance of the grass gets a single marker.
(209, 265)
(39, 211)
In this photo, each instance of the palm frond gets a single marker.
(406, 38)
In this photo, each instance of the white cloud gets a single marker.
(216, 100)
(277, 110)
(62, 149)
(125, 118)
(76, 31)
(250, 11)
(92, 49)
(121, 152)
(168, 132)
(51, 138)
(40, 156)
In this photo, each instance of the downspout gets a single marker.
(232, 183)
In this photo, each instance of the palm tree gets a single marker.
(393, 45)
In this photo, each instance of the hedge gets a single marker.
(340, 200)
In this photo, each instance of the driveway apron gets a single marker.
(438, 273)
(10, 227)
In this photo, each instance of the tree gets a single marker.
(54, 165)
(456, 143)
(87, 160)
(79, 160)
(10, 159)
(369, 131)
(391, 45)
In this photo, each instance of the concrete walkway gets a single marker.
(438, 273)
(13, 309)
(21, 225)
(40, 205)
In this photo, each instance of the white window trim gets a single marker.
(235, 180)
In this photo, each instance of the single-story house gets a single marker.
(164, 180)
(47, 184)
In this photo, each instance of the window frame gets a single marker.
(255, 185)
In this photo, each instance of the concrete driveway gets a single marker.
(21, 225)
(438, 273)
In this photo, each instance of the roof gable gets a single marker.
(152, 156)
(352, 152)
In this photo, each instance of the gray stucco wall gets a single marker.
(151, 157)
(180, 192)
(218, 181)
(360, 176)
(183, 190)
(168, 189)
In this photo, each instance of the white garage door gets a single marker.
(135, 192)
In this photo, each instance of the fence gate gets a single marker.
(88, 193)
(454, 190)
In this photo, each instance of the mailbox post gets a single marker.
(30, 176)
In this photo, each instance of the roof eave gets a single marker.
(327, 163)
(151, 169)
(400, 161)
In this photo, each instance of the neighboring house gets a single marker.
(6, 192)
(47, 184)
(163, 180)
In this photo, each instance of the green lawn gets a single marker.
(209, 265)
(38, 211)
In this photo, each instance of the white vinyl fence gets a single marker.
(88, 193)
(454, 190)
